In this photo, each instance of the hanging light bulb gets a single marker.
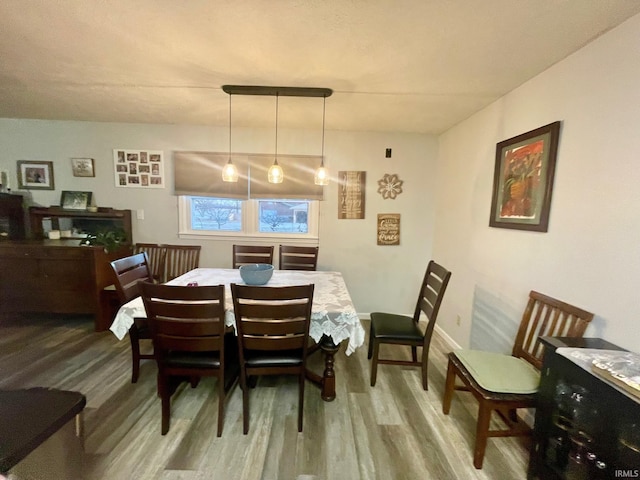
(230, 171)
(322, 174)
(275, 174)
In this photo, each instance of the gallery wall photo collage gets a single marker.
(138, 168)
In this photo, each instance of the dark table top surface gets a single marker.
(29, 417)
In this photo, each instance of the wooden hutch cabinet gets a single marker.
(61, 276)
(11, 217)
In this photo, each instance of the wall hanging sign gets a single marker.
(35, 175)
(82, 167)
(388, 229)
(351, 194)
(523, 179)
(139, 168)
(390, 186)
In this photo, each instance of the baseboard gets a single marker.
(445, 336)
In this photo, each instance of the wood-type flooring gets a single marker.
(392, 431)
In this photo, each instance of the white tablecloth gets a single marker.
(333, 313)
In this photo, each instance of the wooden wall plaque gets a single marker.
(388, 229)
(351, 194)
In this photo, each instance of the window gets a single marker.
(257, 218)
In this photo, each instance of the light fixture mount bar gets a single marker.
(277, 91)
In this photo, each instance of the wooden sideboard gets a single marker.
(80, 220)
(57, 276)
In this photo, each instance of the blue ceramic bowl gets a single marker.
(256, 273)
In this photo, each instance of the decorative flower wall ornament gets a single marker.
(390, 186)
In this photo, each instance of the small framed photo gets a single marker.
(35, 175)
(75, 200)
(83, 167)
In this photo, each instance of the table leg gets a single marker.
(326, 382)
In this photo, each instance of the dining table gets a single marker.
(334, 319)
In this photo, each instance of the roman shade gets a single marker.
(200, 174)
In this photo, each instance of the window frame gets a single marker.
(250, 227)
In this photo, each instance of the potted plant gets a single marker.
(111, 240)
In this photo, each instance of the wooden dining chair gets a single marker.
(129, 272)
(395, 329)
(504, 383)
(273, 331)
(245, 254)
(180, 259)
(298, 258)
(157, 255)
(189, 341)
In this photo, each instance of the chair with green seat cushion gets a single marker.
(391, 328)
(497, 372)
(504, 383)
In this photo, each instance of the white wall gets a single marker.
(590, 256)
(377, 277)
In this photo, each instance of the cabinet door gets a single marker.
(67, 284)
(18, 282)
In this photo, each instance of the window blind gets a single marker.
(200, 174)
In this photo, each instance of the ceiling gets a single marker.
(393, 65)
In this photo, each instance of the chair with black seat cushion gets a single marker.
(273, 331)
(188, 332)
(504, 383)
(395, 329)
(180, 259)
(247, 254)
(129, 273)
(156, 255)
(298, 258)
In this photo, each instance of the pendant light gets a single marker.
(275, 174)
(322, 175)
(230, 171)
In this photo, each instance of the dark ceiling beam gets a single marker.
(277, 91)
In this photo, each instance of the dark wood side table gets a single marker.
(34, 433)
(585, 427)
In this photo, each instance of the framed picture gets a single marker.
(75, 200)
(523, 179)
(138, 168)
(82, 167)
(35, 175)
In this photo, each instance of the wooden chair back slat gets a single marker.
(128, 273)
(298, 258)
(547, 317)
(273, 314)
(180, 259)
(156, 255)
(247, 254)
(262, 326)
(184, 318)
(434, 284)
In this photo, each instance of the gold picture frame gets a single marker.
(83, 167)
